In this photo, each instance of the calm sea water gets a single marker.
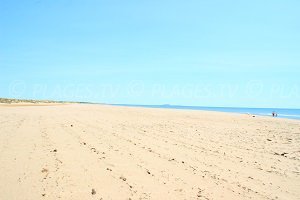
(282, 112)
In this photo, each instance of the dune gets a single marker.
(81, 151)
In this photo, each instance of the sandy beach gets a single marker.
(76, 152)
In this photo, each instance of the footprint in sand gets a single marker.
(93, 191)
(44, 170)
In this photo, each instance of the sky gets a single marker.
(181, 52)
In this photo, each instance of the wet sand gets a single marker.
(107, 152)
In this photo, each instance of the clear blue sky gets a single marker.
(188, 52)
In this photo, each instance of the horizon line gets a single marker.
(129, 104)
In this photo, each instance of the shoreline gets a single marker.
(183, 108)
(233, 110)
(214, 109)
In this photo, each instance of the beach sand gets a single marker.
(104, 152)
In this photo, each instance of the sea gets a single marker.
(281, 112)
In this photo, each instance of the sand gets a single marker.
(105, 152)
